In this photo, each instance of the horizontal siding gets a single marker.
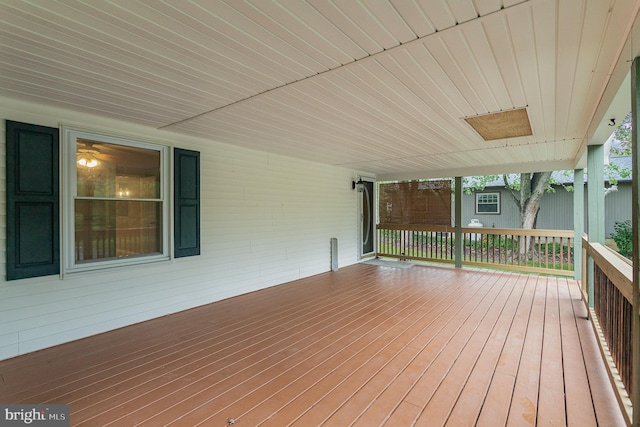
(266, 219)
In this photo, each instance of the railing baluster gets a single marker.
(542, 252)
(520, 249)
(435, 244)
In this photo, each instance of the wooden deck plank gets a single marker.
(327, 338)
(551, 400)
(212, 362)
(494, 412)
(428, 342)
(367, 345)
(357, 400)
(426, 386)
(579, 406)
(472, 396)
(486, 340)
(333, 367)
(523, 407)
(331, 389)
(252, 363)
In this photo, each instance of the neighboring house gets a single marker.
(494, 206)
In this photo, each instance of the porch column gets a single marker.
(635, 223)
(578, 221)
(595, 205)
(458, 225)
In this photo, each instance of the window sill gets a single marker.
(113, 265)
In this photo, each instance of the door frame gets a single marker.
(360, 217)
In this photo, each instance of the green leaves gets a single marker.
(622, 237)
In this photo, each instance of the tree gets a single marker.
(532, 187)
(621, 146)
(622, 136)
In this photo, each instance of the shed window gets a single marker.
(487, 203)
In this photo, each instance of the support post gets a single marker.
(578, 221)
(595, 204)
(635, 223)
(458, 225)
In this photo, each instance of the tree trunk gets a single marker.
(532, 189)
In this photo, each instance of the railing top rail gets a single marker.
(616, 269)
(416, 227)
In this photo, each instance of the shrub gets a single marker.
(622, 237)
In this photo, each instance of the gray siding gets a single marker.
(556, 209)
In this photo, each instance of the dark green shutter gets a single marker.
(187, 202)
(33, 228)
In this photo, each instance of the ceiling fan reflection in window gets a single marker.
(89, 155)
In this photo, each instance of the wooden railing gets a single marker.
(611, 312)
(536, 251)
(416, 242)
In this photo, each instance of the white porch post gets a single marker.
(578, 221)
(595, 205)
(635, 223)
(458, 224)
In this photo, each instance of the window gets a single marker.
(116, 209)
(487, 203)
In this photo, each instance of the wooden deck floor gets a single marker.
(363, 346)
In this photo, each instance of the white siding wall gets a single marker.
(266, 220)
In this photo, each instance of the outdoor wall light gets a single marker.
(355, 184)
(358, 185)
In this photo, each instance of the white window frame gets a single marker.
(69, 192)
(478, 197)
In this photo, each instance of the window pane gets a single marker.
(487, 208)
(117, 171)
(117, 228)
(487, 198)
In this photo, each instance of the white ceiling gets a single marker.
(374, 85)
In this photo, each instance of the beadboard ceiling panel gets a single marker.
(381, 86)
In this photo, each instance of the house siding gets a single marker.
(265, 219)
(556, 209)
